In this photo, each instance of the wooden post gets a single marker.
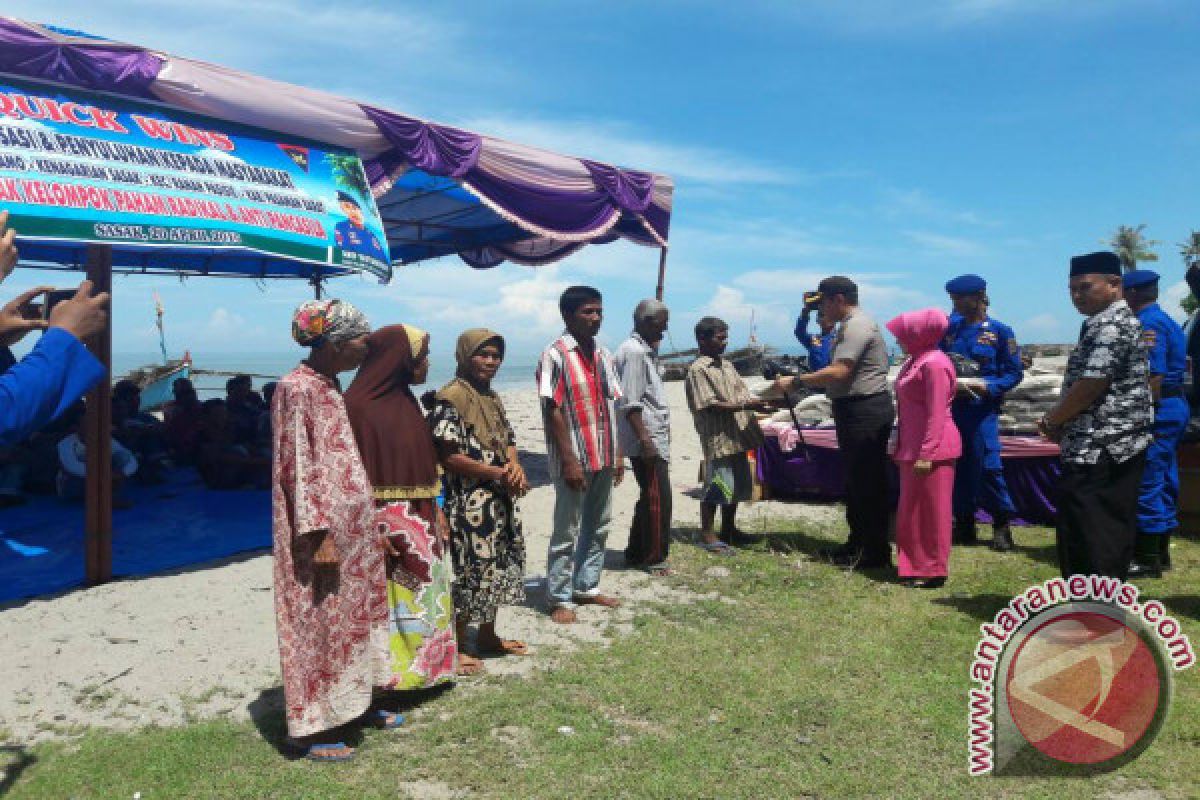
(662, 273)
(98, 436)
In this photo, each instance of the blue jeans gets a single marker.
(581, 523)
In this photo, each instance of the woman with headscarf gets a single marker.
(927, 443)
(483, 479)
(402, 465)
(331, 620)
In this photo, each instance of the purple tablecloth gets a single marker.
(815, 473)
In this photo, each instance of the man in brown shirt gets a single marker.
(721, 407)
(856, 382)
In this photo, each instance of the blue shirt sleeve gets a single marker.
(1156, 337)
(44, 384)
(1009, 369)
(801, 329)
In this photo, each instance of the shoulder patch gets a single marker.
(1149, 337)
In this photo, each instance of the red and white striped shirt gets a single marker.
(585, 390)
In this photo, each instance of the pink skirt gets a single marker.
(925, 521)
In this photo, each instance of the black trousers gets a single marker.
(1097, 516)
(650, 531)
(863, 427)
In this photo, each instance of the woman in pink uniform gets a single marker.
(927, 443)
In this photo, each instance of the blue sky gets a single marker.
(897, 142)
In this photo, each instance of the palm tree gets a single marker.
(1190, 251)
(1132, 246)
(348, 173)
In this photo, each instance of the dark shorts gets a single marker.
(727, 480)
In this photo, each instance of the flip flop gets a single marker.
(318, 752)
(388, 720)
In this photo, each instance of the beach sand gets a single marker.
(198, 643)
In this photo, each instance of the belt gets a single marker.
(1171, 391)
(855, 398)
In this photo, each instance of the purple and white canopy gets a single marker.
(440, 190)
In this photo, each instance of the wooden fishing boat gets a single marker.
(156, 381)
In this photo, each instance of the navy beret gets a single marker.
(966, 284)
(1101, 263)
(1139, 278)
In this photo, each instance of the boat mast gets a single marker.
(158, 313)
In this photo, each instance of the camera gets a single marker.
(811, 300)
(53, 298)
(773, 368)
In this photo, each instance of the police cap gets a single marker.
(1139, 278)
(966, 284)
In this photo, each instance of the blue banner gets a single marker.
(156, 184)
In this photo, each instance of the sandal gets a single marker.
(324, 752)
(718, 548)
(388, 720)
(661, 571)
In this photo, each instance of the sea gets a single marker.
(266, 367)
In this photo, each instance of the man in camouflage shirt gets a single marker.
(1103, 423)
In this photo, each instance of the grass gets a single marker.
(812, 683)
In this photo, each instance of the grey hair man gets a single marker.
(644, 428)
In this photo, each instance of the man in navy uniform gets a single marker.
(1167, 350)
(979, 479)
(818, 345)
(352, 234)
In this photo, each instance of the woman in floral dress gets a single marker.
(330, 617)
(483, 480)
(401, 463)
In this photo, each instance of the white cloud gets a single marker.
(772, 299)
(1171, 299)
(917, 203)
(226, 327)
(1043, 327)
(267, 36)
(943, 245)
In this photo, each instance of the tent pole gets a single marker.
(662, 272)
(98, 435)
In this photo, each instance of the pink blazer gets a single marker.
(924, 390)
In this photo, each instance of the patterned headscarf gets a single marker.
(328, 320)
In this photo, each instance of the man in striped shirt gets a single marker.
(578, 387)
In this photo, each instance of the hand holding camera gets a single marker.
(21, 315)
